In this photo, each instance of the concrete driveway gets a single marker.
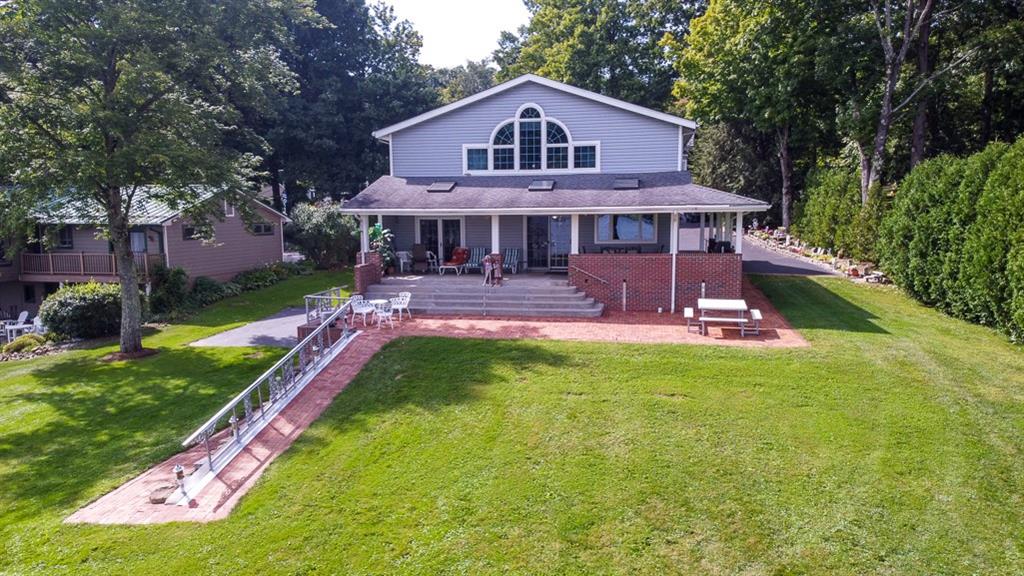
(277, 330)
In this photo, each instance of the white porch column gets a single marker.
(380, 220)
(364, 233)
(702, 247)
(739, 232)
(673, 244)
(574, 227)
(495, 234)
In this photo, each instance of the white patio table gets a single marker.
(722, 305)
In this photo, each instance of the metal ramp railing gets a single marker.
(250, 411)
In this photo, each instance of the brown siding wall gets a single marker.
(234, 249)
(648, 278)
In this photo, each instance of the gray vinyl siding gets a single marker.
(478, 232)
(404, 230)
(510, 235)
(630, 142)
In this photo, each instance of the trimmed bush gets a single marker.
(170, 290)
(830, 215)
(206, 291)
(256, 278)
(87, 310)
(24, 343)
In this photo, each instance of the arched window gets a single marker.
(530, 141)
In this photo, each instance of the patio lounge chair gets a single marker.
(13, 328)
(460, 256)
(510, 260)
(476, 258)
(420, 259)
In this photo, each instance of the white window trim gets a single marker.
(544, 119)
(229, 210)
(597, 240)
(440, 235)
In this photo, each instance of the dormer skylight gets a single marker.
(445, 186)
(626, 183)
(541, 186)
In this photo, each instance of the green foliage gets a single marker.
(831, 205)
(382, 241)
(609, 46)
(170, 289)
(24, 343)
(89, 310)
(326, 237)
(465, 80)
(206, 291)
(954, 237)
(995, 246)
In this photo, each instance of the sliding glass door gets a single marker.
(440, 235)
(548, 241)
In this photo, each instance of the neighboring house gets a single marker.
(578, 182)
(160, 235)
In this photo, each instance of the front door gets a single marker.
(548, 241)
(451, 236)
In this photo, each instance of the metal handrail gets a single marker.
(250, 410)
(322, 302)
(582, 271)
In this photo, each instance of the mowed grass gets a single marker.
(891, 446)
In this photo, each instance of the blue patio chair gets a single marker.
(476, 258)
(510, 260)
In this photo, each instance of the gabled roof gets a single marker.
(572, 193)
(148, 209)
(384, 133)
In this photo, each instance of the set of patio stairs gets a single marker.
(529, 295)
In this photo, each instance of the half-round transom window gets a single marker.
(531, 141)
(529, 113)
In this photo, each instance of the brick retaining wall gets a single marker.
(648, 278)
(369, 273)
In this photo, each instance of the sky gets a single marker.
(458, 30)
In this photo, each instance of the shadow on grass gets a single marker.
(423, 373)
(108, 420)
(807, 304)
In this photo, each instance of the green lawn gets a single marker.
(891, 445)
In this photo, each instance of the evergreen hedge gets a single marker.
(88, 310)
(954, 237)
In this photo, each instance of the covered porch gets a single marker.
(545, 242)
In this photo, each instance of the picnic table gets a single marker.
(708, 306)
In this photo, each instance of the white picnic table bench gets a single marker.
(710, 306)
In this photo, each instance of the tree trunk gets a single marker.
(986, 107)
(865, 173)
(917, 138)
(275, 183)
(131, 303)
(786, 167)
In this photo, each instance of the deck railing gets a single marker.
(83, 263)
(250, 411)
(323, 304)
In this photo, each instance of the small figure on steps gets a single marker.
(488, 264)
(495, 269)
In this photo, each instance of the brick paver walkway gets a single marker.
(129, 504)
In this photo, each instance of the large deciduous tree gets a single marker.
(608, 46)
(356, 74)
(101, 99)
(754, 62)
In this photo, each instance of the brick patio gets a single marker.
(129, 504)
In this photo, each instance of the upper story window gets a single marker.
(531, 142)
(65, 238)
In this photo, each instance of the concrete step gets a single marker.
(496, 297)
(580, 312)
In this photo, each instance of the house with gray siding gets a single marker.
(78, 250)
(576, 182)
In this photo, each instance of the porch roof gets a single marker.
(572, 193)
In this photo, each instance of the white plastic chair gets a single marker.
(383, 312)
(432, 262)
(13, 327)
(402, 304)
(361, 307)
